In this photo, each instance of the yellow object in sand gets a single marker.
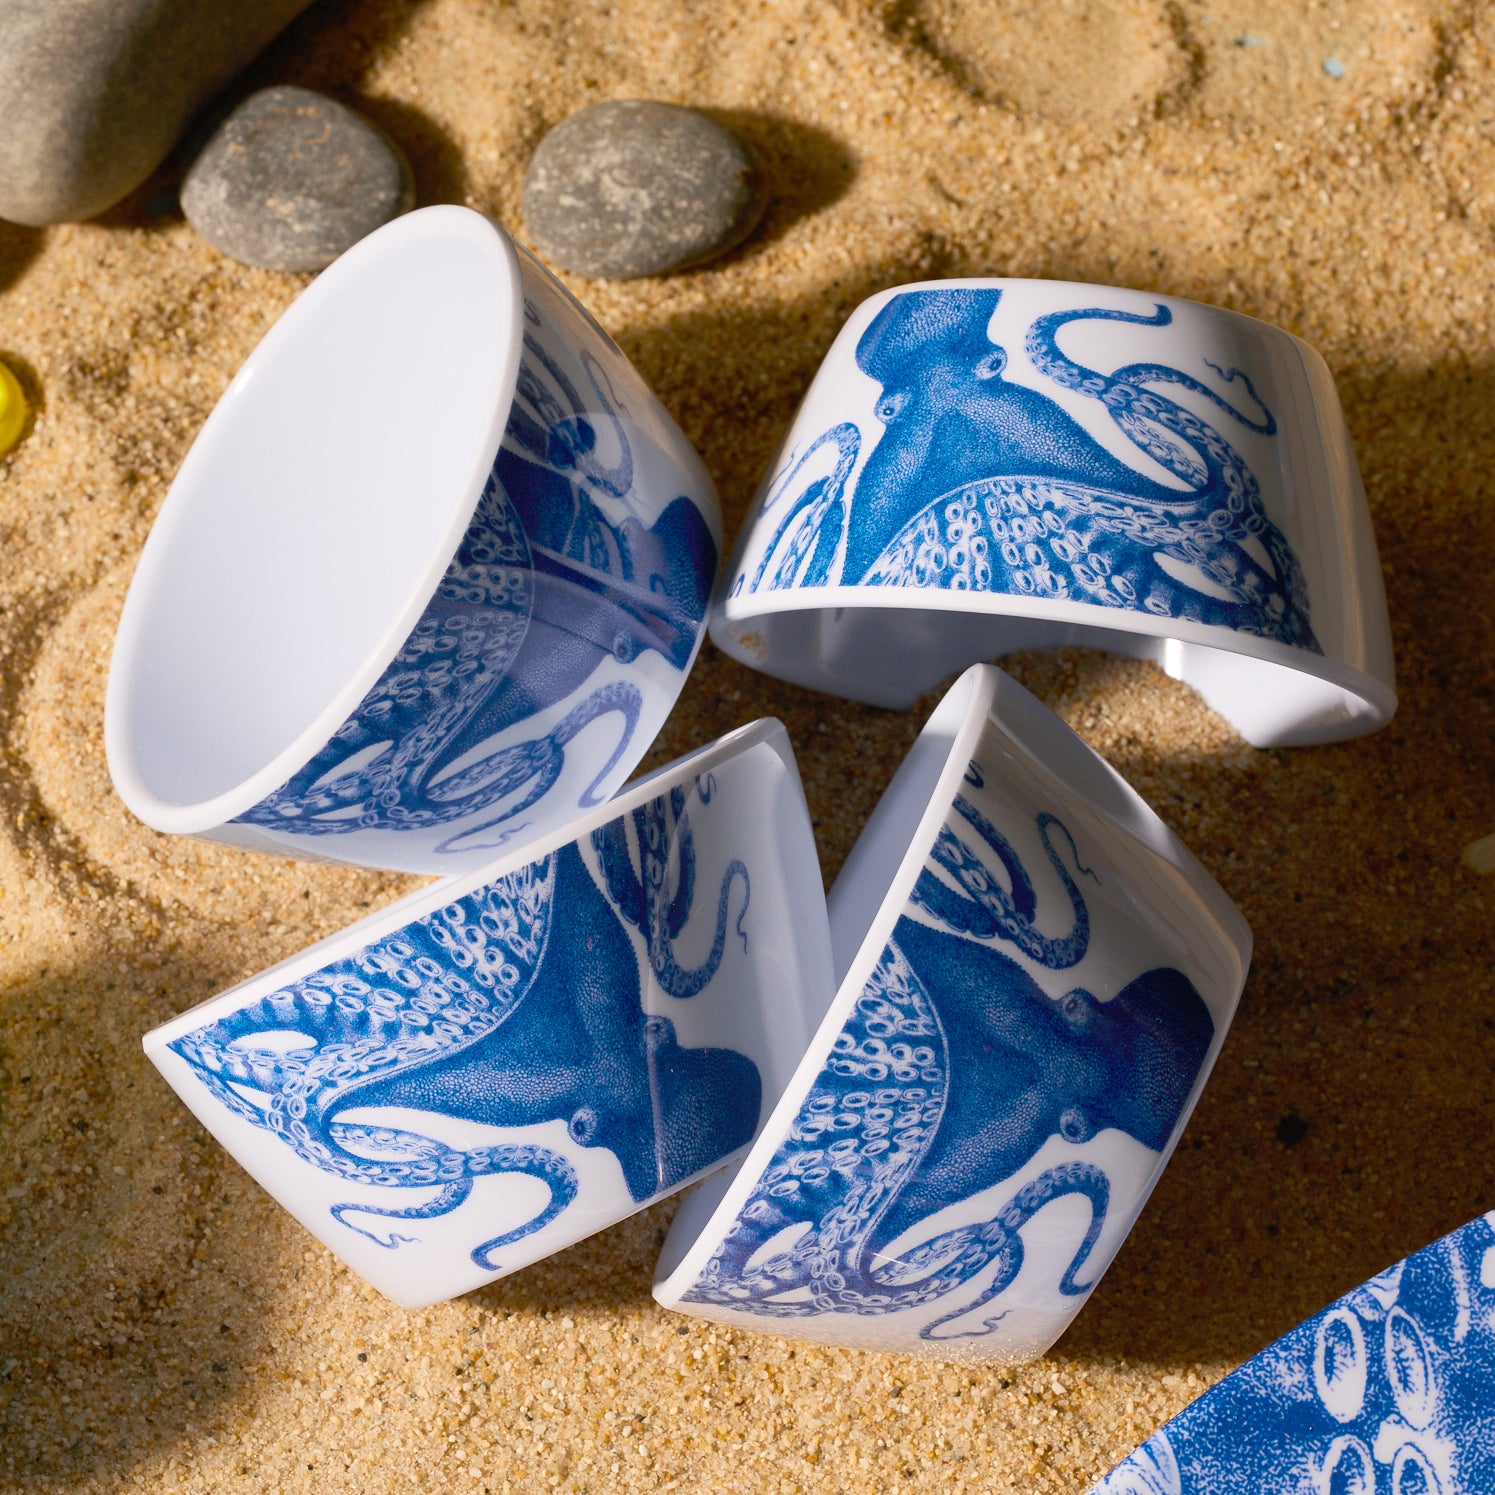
(13, 410)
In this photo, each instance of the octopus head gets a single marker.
(918, 339)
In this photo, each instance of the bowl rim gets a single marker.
(733, 618)
(342, 279)
(765, 731)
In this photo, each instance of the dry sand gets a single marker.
(164, 1326)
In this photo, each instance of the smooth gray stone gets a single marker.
(94, 93)
(292, 178)
(639, 188)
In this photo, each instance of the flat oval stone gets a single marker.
(292, 178)
(93, 93)
(634, 188)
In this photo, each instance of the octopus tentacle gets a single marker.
(611, 480)
(657, 906)
(452, 1196)
(1162, 373)
(620, 696)
(566, 419)
(679, 907)
(1234, 511)
(537, 1162)
(985, 909)
(999, 1238)
(1137, 409)
(674, 978)
(571, 443)
(890, 1062)
(820, 508)
(858, 1279)
(537, 763)
(417, 997)
(624, 885)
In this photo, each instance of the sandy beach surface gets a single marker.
(164, 1326)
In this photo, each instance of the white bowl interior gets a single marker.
(309, 523)
(884, 844)
(889, 655)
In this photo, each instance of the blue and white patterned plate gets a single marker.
(989, 465)
(1389, 1391)
(501, 1064)
(357, 633)
(1035, 979)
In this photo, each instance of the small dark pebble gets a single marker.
(292, 178)
(1292, 1129)
(635, 188)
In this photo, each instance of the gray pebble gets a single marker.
(292, 178)
(94, 93)
(639, 188)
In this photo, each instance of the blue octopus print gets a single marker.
(980, 482)
(516, 1004)
(543, 588)
(953, 1070)
(1391, 1389)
